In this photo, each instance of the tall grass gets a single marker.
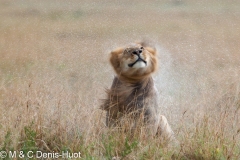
(212, 135)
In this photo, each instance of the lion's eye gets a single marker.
(126, 52)
(141, 48)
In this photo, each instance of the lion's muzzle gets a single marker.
(138, 53)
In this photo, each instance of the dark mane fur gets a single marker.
(130, 97)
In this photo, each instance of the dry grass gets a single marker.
(54, 68)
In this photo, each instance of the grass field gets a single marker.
(54, 70)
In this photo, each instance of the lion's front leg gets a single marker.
(164, 130)
(112, 117)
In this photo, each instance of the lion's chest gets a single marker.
(139, 97)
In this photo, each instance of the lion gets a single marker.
(133, 91)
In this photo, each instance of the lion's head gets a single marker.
(135, 61)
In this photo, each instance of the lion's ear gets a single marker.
(114, 59)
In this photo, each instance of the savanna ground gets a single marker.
(54, 70)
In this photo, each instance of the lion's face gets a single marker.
(134, 61)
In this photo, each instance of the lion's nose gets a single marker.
(137, 52)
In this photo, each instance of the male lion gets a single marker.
(133, 92)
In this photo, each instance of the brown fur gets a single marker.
(133, 91)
